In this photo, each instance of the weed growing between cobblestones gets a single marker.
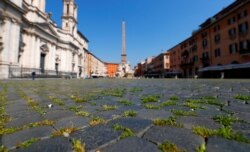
(75, 108)
(56, 101)
(183, 113)
(150, 98)
(225, 132)
(228, 133)
(78, 99)
(3, 149)
(193, 105)
(96, 121)
(135, 89)
(171, 121)
(78, 146)
(125, 102)
(149, 106)
(168, 103)
(83, 113)
(27, 143)
(225, 120)
(211, 100)
(35, 106)
(117, 92)
(201, 148)
(108, 107)
(169, 147)
(203, 131)
(244, 98)
(5, 131)
(126, 132)
(205, 100)
(174, 98)
(4, 118)
(64, 132)
(129, 113)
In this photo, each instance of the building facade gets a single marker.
(220, 48)
(112, 69)
(31, 42)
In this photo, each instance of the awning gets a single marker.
(225, 67)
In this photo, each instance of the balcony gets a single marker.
(186, 64)
(205, 59)
(245, 52)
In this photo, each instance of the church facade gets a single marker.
(31, 42)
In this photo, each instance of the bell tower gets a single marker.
(69, 18)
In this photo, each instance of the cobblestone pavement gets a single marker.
(125, 115)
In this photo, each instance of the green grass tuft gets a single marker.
(135, 89)
(201, 148)
(149, 106)
(225, 120)
(27, 143)
(129, 113)
(169, 147)
(171, 121)
(83, 113)
(168, 103)
(193, 105)
(242, 97)
(174, 98)
(183, 113)
(78, 146)
(150, 98)
(125, 102)
(126, 132)
(116, 92)
(203, 131)
(108, 107)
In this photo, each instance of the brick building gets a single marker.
(221, 47)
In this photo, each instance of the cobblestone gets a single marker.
(32, 121)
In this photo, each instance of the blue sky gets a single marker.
(152, 25)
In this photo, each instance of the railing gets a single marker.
(205, 59)
(245, 52)
(186, 64)
(21, 72)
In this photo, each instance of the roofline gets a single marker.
(82, 35)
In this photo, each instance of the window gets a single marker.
(243, 28)
(245, 45)
(217, 38)
(203, 35)
(217, 52)
(167, 65)
(204, 43)
(67, 8)
(205, 55)
(242, 14)
(231, 20)
(233, 48)
(232, 32)
(195, 58)
(216, 28)
(73, 57)
(194, 48)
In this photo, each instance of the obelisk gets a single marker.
(124, 55)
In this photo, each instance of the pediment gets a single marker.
(47, 27)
